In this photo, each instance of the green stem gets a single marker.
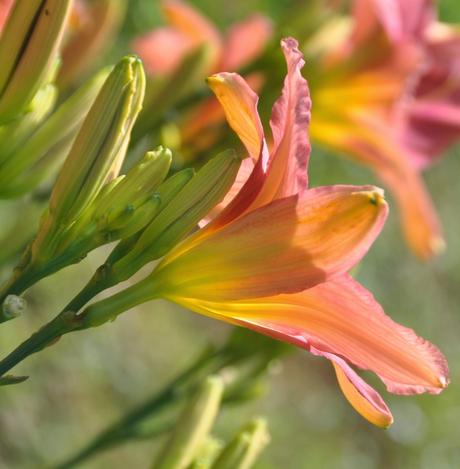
(50, 332)
(66, 321)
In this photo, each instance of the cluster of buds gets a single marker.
(190, 443)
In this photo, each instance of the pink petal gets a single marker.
(287, 172)
(286, 246)
(190, 22)
(5, 7)
(162, 50)
(400, 19)
(245, 42)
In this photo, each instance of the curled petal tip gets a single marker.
(443, 382)
(376, 196)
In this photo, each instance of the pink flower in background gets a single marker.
(390, 99)
(276, 254)
(163, 49)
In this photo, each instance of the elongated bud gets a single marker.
(166, 192)
(129, 203)
(192, 427)
(13, 135)
(134, 188)
(244, 449)
(100, 146)
(207, 453)
(40, 155)
(185, 210)
(28, 50)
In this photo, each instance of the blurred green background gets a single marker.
(89, 379)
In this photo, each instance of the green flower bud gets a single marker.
(193, 426)
(13, 135)
(207, 453)
(166, 192)
(182, 214)
(40, 155)
(100, 146)
(134, 188)
(28, 51)
(244, 449)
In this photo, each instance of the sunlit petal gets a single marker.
(286, 246)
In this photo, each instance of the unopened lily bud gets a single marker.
(183, 213)
(134, 188)
(192, 427)
(41, 154)
(14, 134)
(128, 203)
(28, 50)
(244, 449)
(207, 453)
(166, 192)
(100, 146)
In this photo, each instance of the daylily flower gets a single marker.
(275, 258)
(376, 98)
(165, 48)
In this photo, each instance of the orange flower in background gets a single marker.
(164, 49)
(275, 257)
(375, 104)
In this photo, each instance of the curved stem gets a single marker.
(129, 426)
(66, 321)
(50, 332)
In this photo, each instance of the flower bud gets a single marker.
(15, 134)
(183, 213)
(100, 146)
(42, 152)
(207, 453)
(192, 427)
(244, 449)
(166, 192)
(28, 50)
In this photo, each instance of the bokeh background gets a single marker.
(89, 379)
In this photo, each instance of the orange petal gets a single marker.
(371, 142)
(245, 42)
(419, 219)
(192, 24)
(239, 102)
(340, 318)
(364, 399)
(286, 246)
